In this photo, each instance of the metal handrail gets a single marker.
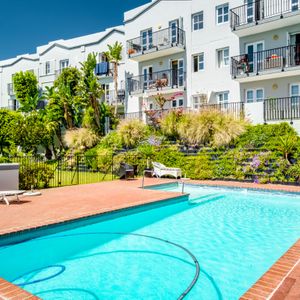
(156, 80)
(276, 58)
(156, 39)
(285, 108)
(255, 11)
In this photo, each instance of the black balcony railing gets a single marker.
(169, 37)
(287, 108)
(255, 11)
(156, 81)
(256, 62)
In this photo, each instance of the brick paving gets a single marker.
(281, 282)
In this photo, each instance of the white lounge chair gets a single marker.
(15, 194)
(161, 170)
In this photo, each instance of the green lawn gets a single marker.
(72, 178)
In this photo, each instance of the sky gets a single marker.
(26, 24)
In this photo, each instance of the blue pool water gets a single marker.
(235, 235)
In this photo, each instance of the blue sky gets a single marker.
(25, 24)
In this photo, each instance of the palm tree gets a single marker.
(89, 88)
(114, 55)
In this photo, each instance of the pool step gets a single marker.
(206, 198)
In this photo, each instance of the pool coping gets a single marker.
(269, 284)
(266, 287)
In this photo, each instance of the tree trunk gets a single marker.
(67, 116)
(95, 106)
(116, 86)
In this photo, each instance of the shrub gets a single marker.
(169, 124)
(112, 140)
(35, 174)
(198, 167)
(132, 132)
(169, 156)
(210, 127)
(80, 139)
(264, 136)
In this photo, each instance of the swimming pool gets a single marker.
(232, 235)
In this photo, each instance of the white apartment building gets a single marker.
(238, 54)
(49, 60)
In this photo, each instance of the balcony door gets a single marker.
(254, 10)
(177, 67)
(295, 95)
(147, 39)
(147, 77)
(255, 55)
(295, 49)
(173, 27)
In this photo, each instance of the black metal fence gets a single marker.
(256, 62)
(155, 40)
(67, 170)
(157, 81)
(254, 12)
(277, 109)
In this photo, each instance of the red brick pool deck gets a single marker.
(281, 281)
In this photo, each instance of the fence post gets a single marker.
(58, 170)
(77, 168)
(112, 166)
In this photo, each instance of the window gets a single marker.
(198, 62)
(196, 102)
(222, 13)
(10, 89)
(197, 21)
(254, 95)
(177, 103)
(47, 68)
(223, 57)
(295, 94)
(63, 64)
(222, 97)
(295, 5)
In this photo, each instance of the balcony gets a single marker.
(104, 69)
(264, 15)
(280, 109)
(157, 44)
(163, 82)
(267, 64)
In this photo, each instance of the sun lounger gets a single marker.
(5, 194)
(161, 170)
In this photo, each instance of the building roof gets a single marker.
(12, 61)
(85, 40)
(133, 14)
